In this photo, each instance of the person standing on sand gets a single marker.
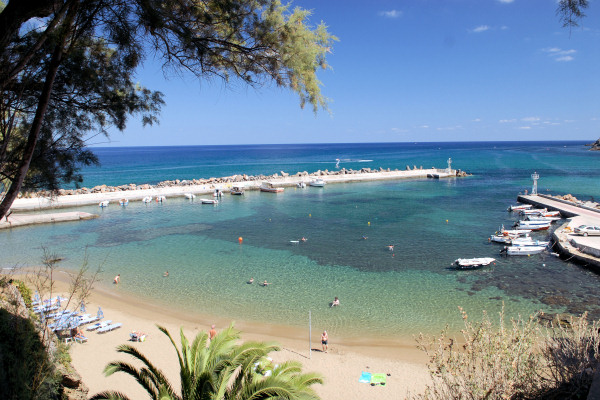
(324, 340)
(117, 279)
(212, 333)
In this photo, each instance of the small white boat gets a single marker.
(301, 185)
(124, 202)
(549, 214)
(103, 203)
(522, 250)
(473, 263)
(160, 199)
(147, 199)
(519, 207)
(209, 201)
(237, 191)
(190, 196)
(530, 242)
(533, 225)
(270, 188)
(317, 183)
(533, 211)
(541, 218)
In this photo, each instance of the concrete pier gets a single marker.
(567, 209)
(15, 220)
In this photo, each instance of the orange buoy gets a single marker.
(240, 239)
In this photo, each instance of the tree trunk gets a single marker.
(34, 132)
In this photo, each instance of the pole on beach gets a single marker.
(309, 335)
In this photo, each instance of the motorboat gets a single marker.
(473, 263)
(160, 199)
(147, 199)
(522, 250)
(533, 211)
(502, 238)
(190, 196)
(301, 185)
(518, 232)
(549, 214)
(237, 190)
(103, 203)
(124, 202)
(317, 183)
(533, 225)
(529, 242)
(270, 188)
(209, 201)
(520, 207)
(542, 218)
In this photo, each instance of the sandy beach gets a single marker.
(341, 365)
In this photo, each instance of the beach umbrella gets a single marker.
(37, 296)
(100, 313)
(58, 301)
(82, 307)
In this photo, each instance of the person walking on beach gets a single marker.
(212, 333)
(117, 279)
(324, 340)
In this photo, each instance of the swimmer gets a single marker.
(265, 283)
(364, 237)
(303, 239)
(250, 281)
(335, 302)
(117, 279)
(391, 247)
(166, 274)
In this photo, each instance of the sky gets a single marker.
(405, 71)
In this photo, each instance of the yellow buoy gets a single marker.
(446, 221)
(309, 215)
(369, 223)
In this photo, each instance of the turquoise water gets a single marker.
(402, 292)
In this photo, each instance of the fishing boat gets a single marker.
(472, 263)
(123, 202)
(190, 196)
(147, 199)
(237, 191)
(317, 183)
(103, 203)
(209, 201)
(533, 225)
(522, 250)
(270, 188)
(520, 207)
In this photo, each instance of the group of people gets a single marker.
(265, 283)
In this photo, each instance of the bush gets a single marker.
(25, 292)
(520, 360)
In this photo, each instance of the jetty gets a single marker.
(567, 208)
(177, 188)
(16, 220)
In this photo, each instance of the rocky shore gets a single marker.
(595, 145)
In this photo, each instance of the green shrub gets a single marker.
(25, 292)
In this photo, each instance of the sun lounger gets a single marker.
(109, 328)
(80, 339)
(98, 325)
(87, 320)
(378, 379)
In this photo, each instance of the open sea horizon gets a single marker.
(391, 293)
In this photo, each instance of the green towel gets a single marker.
(378, 379)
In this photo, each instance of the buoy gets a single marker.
(446, 221)
(543, 265)
(369, 223)
(309, 215)
(240, 239)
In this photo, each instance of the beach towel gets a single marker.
(365, 377)
(378, 379)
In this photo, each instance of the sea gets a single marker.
(212, 251)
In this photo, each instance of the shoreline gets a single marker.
(177, 188)
(341, 366)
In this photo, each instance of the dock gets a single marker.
(567, 209)
(16, 220)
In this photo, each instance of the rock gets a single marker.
(595, 145)
(284, 174)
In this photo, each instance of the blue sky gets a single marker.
(406, 71)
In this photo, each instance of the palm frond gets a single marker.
(109, 395)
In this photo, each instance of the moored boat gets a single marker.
(533, 211)
(533, 225)
(519, 207)
(542, 218)
(209, 201)
(529, 242)
(522, 250)
(270, 188)
(472, 263)
(317, 183)
(237, 191)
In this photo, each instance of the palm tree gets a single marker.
(221, 370)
